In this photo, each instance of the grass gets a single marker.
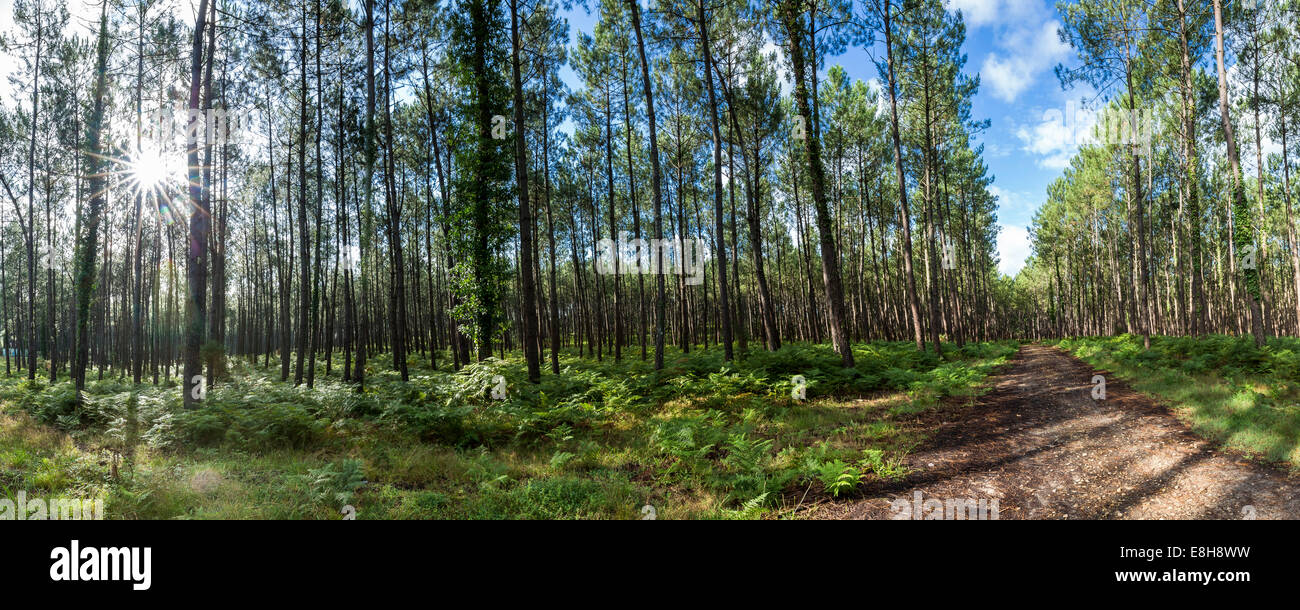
(698, 440)
(1242, 397)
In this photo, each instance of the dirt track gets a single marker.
(1044, 449)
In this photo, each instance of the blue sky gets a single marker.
(1013, 46)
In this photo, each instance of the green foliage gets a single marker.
(690, 438)
(57, 406)
(562, 497)
(432, 423)
(213, 355)
(885, 467)
(1232, 356)
(838, 477)
(753, 508)
(481, 195)
(337, 482)
(601, 439)
(250, 426)
(746, 473)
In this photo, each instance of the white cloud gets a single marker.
(1013, 248)
(1059, 133)
(980, 13)
(1052, 140)
(976, 12)
(1007, 77)
(1026, 53)
(1010, 200)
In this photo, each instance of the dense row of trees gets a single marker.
(419, 181)
(1177, 219)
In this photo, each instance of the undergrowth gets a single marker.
(699, 439)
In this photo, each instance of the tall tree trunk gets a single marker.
(1240, 211)
(550, 219)
(304, 244)
(316, 286)
(528, 298)
(1290, 221)
(613, 227)
(655, 182)
(1191, 173)
(29, 226)
(719, 237)
(393, 207)
(793, 20)
(88, 248)
(368, 138)
(196, 257)
(904, 210)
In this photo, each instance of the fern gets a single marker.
(338, 484)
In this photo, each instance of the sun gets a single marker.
(151, 170)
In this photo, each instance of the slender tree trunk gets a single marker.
(1239, 208)
(830, 260)
(655, 182)
(363, 206)
(88, 248)
(904, 210)
(719, 237)
(393, 207)
(196, 257)
(1191, 176)
(528, 298)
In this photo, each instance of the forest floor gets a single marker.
(700, 439)
(1204, 427)
(1040, 445)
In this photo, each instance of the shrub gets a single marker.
(430, 422)
(249, 426)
